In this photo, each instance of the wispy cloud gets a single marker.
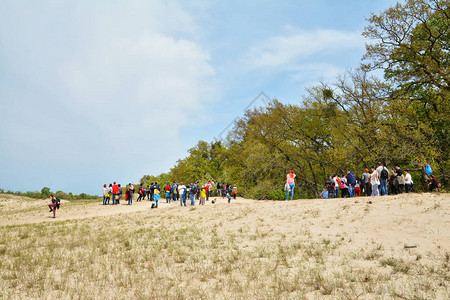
(282, 51)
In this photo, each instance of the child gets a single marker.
(234, 192)
(202, 195)
(156, 197)
(325, 193)
(358, 187)
(344, 187)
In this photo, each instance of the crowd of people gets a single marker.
(380, 181)
(193, 191)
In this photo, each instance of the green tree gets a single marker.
(412, 44)
(45, 192)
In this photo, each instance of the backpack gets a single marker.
(58, 203)
(428, 170)
(194, 189)
(384, 174)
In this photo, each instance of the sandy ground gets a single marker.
(395, 247)
(416, 220)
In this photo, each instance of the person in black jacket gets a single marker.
(54, 205)
(330, 186)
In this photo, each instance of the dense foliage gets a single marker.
(46, 192)
(402, 118)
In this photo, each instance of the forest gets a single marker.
(393, 108)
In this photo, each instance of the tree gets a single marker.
(45, 192)
(412, 46)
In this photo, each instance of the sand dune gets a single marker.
(400, 243)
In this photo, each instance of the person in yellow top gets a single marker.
(156, 197)
(202, 195)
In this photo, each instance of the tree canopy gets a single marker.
(401, 118)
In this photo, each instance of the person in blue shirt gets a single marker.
(324, 194)
(351, 182)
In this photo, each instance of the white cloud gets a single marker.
(106, 84)
(283, 50)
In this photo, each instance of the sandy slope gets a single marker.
(421, 220)
(398, 246)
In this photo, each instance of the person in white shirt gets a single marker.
(182, 191)
(336, 186)
(375, 182)
(409, 184)
(382, 187)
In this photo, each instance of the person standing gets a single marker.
(400, 179)
(156, 196)
(105, 191)
(149, 192)
(358, 187)
(365, 182)
(344, 187)
(409, 184)
(351, 181)
(375, 182)
(115, 191)
(119, 193)
(182, 191)
(337, 182)
(234, 191)
(383, 176)
(174, 190)
(167, 190)
(330, 186)
(130, 191)
(202, 195)
(290, 180)
(219, 189)
(207, 187)
(192, 192)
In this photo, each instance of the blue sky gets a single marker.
(98, 91)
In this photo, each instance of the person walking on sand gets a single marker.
(290, 180)
(156, 196)
(433, 184)
(228, 193)
(130, 191)
(54, 205)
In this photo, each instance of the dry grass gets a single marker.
(248, 249)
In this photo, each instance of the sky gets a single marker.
(93, 92)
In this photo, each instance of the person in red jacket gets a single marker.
(115, 191)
